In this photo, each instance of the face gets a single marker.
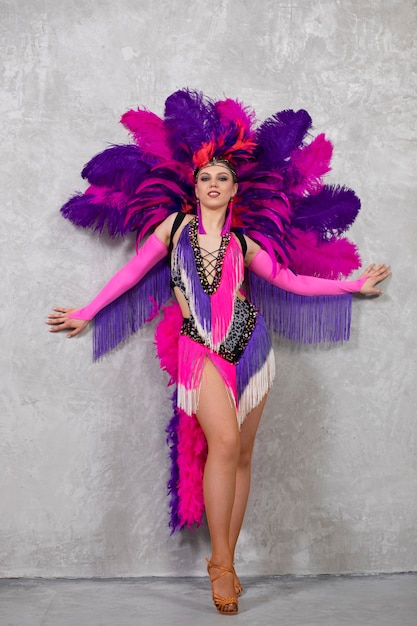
(214, 186)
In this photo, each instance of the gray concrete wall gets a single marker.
(83, 457)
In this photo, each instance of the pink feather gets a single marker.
(311, 163)
(166, 339)
(192, 454)
(334, 259)
(148, 132)
(233, 113)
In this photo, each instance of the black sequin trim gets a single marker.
(232, 356)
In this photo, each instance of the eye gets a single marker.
(204, 178)
(223, 178)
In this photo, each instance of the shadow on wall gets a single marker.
(301, 518)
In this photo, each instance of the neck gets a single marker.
(213, 222)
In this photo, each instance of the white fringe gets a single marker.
(258, 387)
(188, 399)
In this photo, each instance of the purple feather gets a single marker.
(84, 210)
(329, 213)
(122, 167)
(189, 119)
(279, 136)
(172, 485)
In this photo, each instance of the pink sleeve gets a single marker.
(262, 265)
(152, 251)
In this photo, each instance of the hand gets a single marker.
(60, 321)
(375, 275)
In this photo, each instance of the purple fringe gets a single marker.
(202, 299)
(253, 357)
(123, 317)
(304, 319)
(173, 482)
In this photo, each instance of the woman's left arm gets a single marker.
(259, 262)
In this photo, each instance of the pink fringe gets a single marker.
(192, 356)
(222, 301)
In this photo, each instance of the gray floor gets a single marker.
(389, 600)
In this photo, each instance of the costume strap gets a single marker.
(179, 218)
(242, 241)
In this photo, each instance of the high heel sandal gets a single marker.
(238, 584)
(219, 602)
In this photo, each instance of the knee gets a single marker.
(245, 457)
(226, 445)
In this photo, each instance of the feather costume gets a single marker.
(282, 203)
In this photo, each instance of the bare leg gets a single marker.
(217, 418)
(243, 472)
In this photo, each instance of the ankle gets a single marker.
(220, 558)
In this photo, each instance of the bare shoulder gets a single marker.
(163, 231)
(252, 249)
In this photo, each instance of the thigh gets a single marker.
(216, 411)
(250, 427)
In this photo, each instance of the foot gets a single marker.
(223, 588)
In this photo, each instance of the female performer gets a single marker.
(225, 361)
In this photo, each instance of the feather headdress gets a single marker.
(282, 201)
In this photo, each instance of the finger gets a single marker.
(56, 318)
(56, 328)
(74, 332)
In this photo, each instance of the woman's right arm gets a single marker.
(153, 250)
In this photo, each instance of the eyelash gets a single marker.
(205, 179)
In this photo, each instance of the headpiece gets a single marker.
(282, 202)
(217, 161)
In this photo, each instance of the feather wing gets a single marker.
(335, 258)
(309, 164)
(148, 132)
(189, 121)
(279, 136)
(329, 213)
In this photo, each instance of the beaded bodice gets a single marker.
(208, 281)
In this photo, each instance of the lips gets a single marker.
(213, 194)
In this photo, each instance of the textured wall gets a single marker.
(83, 456)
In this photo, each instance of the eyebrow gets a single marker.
(226, 171)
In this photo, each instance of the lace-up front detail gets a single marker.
(209, 264)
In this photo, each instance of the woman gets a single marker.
(208, 263)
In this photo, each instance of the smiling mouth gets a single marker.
(213, 194)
